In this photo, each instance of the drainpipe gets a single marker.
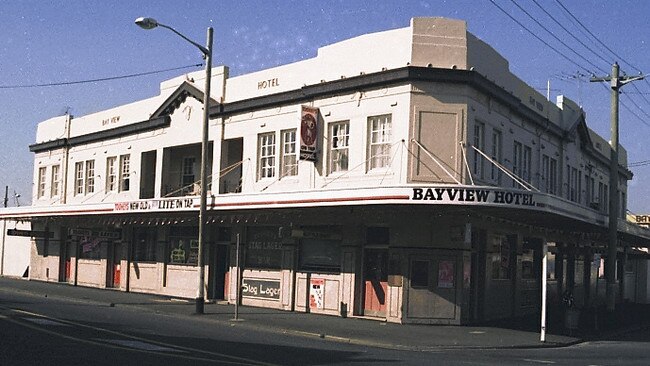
(4, 242)
(66, 154)
(4, 234)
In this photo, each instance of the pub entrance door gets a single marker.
(67, 252)
(218, 268)
(375, 281)
(115, 265)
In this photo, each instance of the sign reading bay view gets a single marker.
(265, 289)
(473, 195)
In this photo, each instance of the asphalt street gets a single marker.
(57, 328)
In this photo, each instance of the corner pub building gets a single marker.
(405, 175)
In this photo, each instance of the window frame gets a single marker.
(380, 136)
(553, 176)
(479, 143)
(527, 163)
(266, 155)
(79, 183)
(111, 174)
(89, 176)
(124, 173)
(55, 181)
(338, 154)
(517, 151)
(288, 153)
(188, 174)
(497, 147)
(42, 178)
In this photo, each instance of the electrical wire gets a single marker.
(64, 83)
(556, 37)
(621, 102)
(571, 33)
(539, 38)
(594, 36)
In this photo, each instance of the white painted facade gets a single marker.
(14, 250)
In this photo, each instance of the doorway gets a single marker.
(67, 252)
(219, 272)
(432, 287)
(114, 265)
(375, 282)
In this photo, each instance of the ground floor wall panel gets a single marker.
(410, 266)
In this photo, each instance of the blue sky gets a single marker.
(49, 42)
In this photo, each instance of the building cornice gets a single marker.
(131, 129)
(404, 75)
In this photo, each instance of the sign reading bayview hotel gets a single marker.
(478, 195)
(308, 133)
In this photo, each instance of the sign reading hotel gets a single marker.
(478, 195)
(308, 133)
(153, 205)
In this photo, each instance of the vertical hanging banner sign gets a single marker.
(316, 290)
(308, 133)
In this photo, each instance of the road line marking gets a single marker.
(539, 361)
(45, 321)
(236, 360)
(139, 345)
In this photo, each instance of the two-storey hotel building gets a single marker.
(405, 175)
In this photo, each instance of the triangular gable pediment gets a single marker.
(178, 97)
(579, 130)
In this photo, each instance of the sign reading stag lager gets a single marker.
(308, 133)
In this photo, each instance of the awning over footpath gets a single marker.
(508, 205)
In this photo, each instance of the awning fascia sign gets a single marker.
(30, 233)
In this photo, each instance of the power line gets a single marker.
(638, 164)
(538, 38)
(628, 108)
(556, 37)
(640, 93)
(63, 83)
(571, 33)
(594, 36)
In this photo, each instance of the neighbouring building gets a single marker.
(15, 246)
(406, 175)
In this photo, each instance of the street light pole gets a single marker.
(150, 23)
(204, 174)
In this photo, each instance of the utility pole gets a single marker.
(4, 235)
(616, 82)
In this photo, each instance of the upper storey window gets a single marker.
(527, 163)
(266, 155)
(90, 176)
(516, 161)
(289, 162)
(125, 172)
(84, 177)
(339, 137)
(41, 182)
(78, 178)
(479, 143)
(495, 173)
(56, 181)
(379, 130)
(111, 174)
(188, 176)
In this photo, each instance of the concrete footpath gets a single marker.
(523, 333)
